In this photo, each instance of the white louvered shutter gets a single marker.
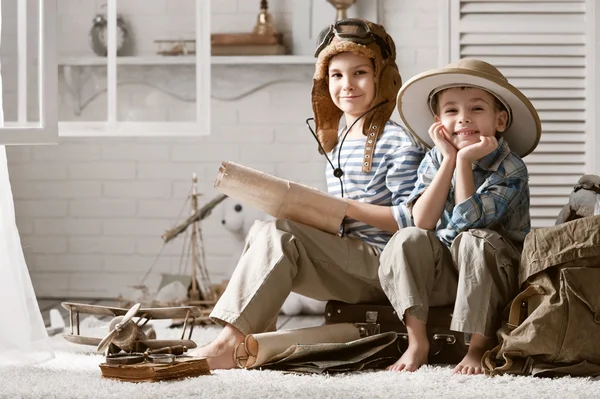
(540, 46)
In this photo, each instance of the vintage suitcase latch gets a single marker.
(370, 327)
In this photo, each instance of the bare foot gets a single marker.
(471, 363)
(418, 346)
(413, 358)
(219, 353)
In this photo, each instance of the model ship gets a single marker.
(201, 291)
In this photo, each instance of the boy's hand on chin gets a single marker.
(437, 132)
(475, 152)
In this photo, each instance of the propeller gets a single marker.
(109, 337)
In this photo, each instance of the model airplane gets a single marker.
(128, 335)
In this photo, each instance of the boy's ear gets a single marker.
(501, 119)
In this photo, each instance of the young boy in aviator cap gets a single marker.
(356, 77)
(470, 206)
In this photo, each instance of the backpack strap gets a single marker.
(513, 362)
(514, 316)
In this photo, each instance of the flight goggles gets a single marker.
(353, 30)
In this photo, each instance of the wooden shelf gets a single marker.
(190, 60)
(263, 59)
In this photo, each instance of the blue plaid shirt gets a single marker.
(500, 201)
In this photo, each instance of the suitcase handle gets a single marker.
(441, 339)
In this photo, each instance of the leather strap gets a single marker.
(514, 316)
(240, 360)
(369, 149)
(373, 133)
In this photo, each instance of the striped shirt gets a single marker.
(500, 201)
(392, 177)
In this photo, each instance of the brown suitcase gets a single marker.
(447, 347)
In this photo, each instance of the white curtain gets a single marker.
(23, 337)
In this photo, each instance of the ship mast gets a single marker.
(194, 292)
(201, 291)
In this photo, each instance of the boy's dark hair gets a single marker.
(435, 106)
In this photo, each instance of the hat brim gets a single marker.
(523, 134)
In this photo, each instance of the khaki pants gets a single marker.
(478, 274)
(283, 256)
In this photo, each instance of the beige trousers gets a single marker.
(283, 256)
(478, 274)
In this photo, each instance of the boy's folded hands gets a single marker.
(477, 151)
(438, 134)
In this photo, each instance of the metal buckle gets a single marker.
(370, 327)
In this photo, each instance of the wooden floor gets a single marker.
(283, 322)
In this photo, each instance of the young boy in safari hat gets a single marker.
(470, 206)
(372, 162)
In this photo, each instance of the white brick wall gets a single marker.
(91, 211)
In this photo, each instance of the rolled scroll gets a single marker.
(264, 348)
(281, 198)
(328, 348)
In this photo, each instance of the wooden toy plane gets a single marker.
(132, 336)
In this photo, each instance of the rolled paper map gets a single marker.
(269, 347)
(281, 198)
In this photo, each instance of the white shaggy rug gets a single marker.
(74, 373)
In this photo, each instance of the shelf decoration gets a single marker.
(309, 17)
(341, 6)
(176, 47)
(263, 40)
(98, 35)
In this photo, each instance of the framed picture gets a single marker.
(311, 16)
